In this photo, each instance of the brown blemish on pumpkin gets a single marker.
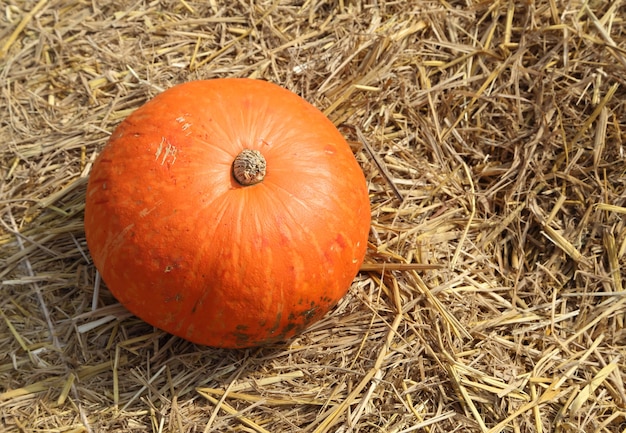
(310, 313)
(276, 325)
(287, 329)
(178, 297)
(190, 331)
(241, 335)
(241, 338)
(196, 305)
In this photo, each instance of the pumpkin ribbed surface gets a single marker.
(189, 249)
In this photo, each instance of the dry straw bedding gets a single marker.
(492, 137)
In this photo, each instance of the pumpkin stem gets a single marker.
(249, 167)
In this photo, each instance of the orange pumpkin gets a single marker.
(229, 212)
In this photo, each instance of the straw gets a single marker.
(492, 137)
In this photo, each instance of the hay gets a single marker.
(492, 137)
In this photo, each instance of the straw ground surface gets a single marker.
(492, 137)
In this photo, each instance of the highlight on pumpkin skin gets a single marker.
(249, 167)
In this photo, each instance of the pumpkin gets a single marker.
(229, 212)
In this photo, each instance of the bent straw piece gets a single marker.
(27, 18)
